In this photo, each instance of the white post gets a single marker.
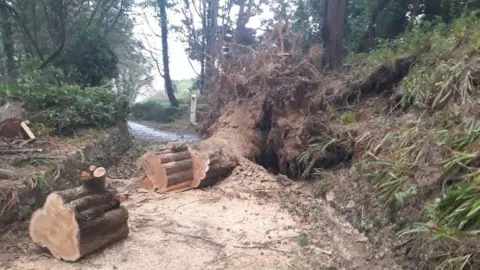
(193, 109)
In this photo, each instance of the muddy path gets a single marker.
(251, 220)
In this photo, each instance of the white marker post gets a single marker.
(193, 109)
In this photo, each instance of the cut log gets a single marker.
(191, 167)
(167, 157)
(77, 222)
(92, 168)
(177, 146)
(208, 170)
(166, 169)
(154, 172)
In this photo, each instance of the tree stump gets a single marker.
(77, 222)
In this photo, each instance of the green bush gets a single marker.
(158, 110)
(63, 108)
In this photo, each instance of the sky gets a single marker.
(147, 29)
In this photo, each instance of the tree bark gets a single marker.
(211, 38)
(368, 39)
(166, 67)
(332, 31)
(77, 222)
(7, 38)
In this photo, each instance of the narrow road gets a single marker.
(142, 132)
(248, 221)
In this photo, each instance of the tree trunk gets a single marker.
(212, 27)
(204, 46)
(8, 47)
(332, 31)
(368, 39)
(166, 69)
(77, 222)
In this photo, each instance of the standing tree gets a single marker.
(6, 35)
(332, 32)
(162, 6)
(368, 39)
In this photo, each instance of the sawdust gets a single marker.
(249, 221)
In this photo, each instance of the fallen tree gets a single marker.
(181, 167)
(269, 103)
(267, 106)
(77, 222)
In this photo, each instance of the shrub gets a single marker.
(62, 107)
(158, 110)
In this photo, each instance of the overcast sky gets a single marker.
(147, 29)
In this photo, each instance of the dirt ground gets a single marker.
(251, 220)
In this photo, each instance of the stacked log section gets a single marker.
(181, 167)
(167, 169)
(77, 222)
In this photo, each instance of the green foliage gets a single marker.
(348, 118)
(62, 108)
(308, 21)
(88, 59)
(303, 240)
(158, 110)
(444, 75)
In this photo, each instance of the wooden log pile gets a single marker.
(77, 222)
(182, 167)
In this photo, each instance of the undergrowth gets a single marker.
(54, 107)
(437, 148)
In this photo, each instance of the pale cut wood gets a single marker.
(200, 167)
(154, 171)
(92, 168)
(77, 222)
(146, 183)
(169, 157)
(181, 187)
(28, 132)
(197, 166)
(176, 166)
(210, 167)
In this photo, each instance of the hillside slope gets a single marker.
(392, 140)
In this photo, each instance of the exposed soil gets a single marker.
(251, 220)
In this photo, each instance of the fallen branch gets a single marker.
(20, 151)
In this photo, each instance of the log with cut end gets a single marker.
(77, 222)
(211, 166)
(182, 166)
(177, 146)
(166, 170)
